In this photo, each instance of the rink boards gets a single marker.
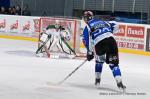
(36, 40)
(131, 38)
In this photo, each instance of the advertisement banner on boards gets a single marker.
(19, 26)
(130, 36)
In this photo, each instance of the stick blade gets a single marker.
(53, 83)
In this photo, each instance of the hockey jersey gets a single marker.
(97, 30)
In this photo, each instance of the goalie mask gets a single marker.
(57, 24)
(88, 15)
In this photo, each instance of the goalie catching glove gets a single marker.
(90, 56)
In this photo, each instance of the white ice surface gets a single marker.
(25, 76)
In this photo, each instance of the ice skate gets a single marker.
(121, 86)
(97, 82)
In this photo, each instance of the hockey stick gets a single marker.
(59, 83)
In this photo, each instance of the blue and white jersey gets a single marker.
(97, 30)
(114, 26)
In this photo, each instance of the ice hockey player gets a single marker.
(55, 36)
(99, 41)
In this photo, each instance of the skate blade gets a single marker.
(97, 85)
(123, 90)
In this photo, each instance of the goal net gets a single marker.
(74, 28)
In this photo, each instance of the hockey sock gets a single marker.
(116, 72)
(98, 70)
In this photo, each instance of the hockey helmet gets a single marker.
(57, 23)
(88, 15)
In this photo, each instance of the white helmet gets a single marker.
(57, 23)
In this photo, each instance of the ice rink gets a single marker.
(25, 76)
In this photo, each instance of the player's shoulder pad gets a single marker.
(50, 27)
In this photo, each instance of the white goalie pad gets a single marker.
(55, 44)
(44, 37)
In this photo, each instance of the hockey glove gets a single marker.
(90, 56)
